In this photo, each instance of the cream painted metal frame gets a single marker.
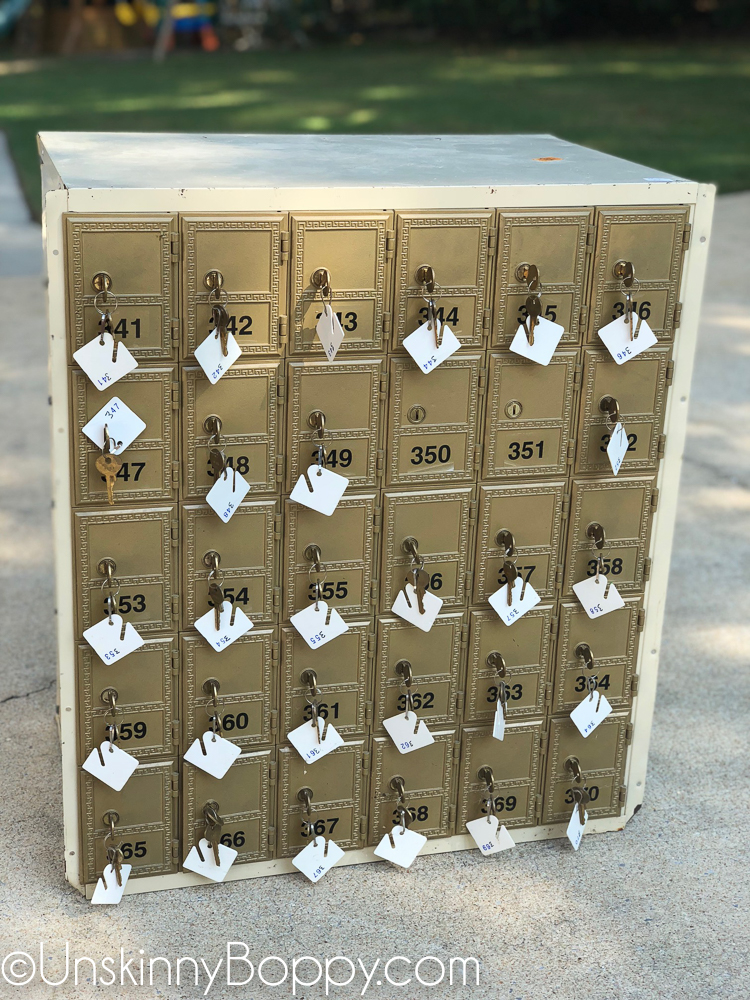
(93, 173)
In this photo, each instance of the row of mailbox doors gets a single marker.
(157, 265)
(384, 421)
(456, 531)
(352, 798)
(163, 692)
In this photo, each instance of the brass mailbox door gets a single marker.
(559, 243)
(525, 649)
(248, 547)
(433, 421)
(135, 253)
(246, 673)
(437, 665)
(357, 251)
(529, 416)
(457, 246)
(349, 396)
(612, 641)
(439, 520)
(653, 240)
(150, 466)
(534, 516)
(343, 680)
(246, 401)
(142, 543)
(347, 549)
(251, 253)
(428, 780)
(146, 698)
(640, 390)
(623, 507)
(246, 800)
(337, 785)
(602, 757)
(516, 769)
(146, 828)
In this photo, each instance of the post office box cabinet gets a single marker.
(337, 785)
(145, 823)
(529, 416)
(347, 546)
(246, 401)
(436, 659)
(516, 764)
(248, 549)
(533, 513)
(149, 469)
(245, 797)
(135, 254)
(623, 507)
(525, 649)
(141, 542)
(440, 522)
(428, 782)
(433, 421)
(343, 679)
(250, 252)
(612, 642)
(348, 397)
(146, 696)
(457, 246)
(640, 391)
(357, 251)
(246, 675)
(602, 756)
(558, 243)
(653, 240)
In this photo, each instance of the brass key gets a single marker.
(510, 572)
(221, 320)
(109, 465)
(533, 312)
(216, 596)
(421, 583)
(212, 831)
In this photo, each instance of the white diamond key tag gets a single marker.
(537, 336)
(212, 753)
(111, 765)
(117, 422)
(400, 846)
(104, 359)
(489, 836)
(421, 345)
(597, 595)
(514, 598)
(233, 623)
(112, 638)
(414, 603)
(219, 351)
(330, 331)
(408, 732)
(109, 889)
(318, 624)
(209, 857)
(227, 493)
(592, 711)
(317, 858)
(625, 338)
(313, 741)
(319, 489)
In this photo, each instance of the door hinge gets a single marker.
(677, 316)
(175, 329)
(686, 234)
(175, 852)
(279, 471)
(537, 808)
(554, 624)
(486, 321)
(477, 457)
(362, 827)
(281, 389)
(548, 692)
(565, 505)
(622, 794)
(634, 684)
(647, 568)
(558, 576)
(669, 374)
(366, 760)
(583, 319)
(468, 580)
(456, 749)
(661, 445)
(174, 531)
(379, 463)
(175, 473)
(175, 605)
(629, 732)
(283, 327)
(577, 376)
(276, 527)
(571, 451)
(272, 772)
(271, 837)
(492, 241)
(276, 600)
(174, 242)
(654, 499)
(590, 237)
(175, 784)
(543, 741)
(175, 730)
(459, 702)
(273, 720)
(377, 520)
(452, 813)
(387, 323)
(464, 635)
(374, 591)
(275, 653)
(640, 620)
(482, 381)
(390, 242)
(368, 713)
(176, 396)
(175, 661)
(384, 383)
(284, 247)
(372, 645)
(473, 509)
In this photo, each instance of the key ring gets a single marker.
(404, 670)
(319, 570)
(109, 301)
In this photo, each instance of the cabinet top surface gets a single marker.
(183, 161)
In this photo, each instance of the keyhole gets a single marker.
(513, 409)
(416, 414)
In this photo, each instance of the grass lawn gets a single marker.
(685, 109)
